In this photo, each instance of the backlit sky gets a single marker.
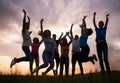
(58, 16)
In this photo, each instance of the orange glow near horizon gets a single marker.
(23, 67)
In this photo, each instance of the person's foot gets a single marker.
(13, 62)
(94, 57)
(43, 74)
(55, 72)
(35, 70)
(92, 61)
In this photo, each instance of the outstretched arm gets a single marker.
(107, 19)
(71, 33)
(94, 22)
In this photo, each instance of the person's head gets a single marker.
(35, 40)
(76, 37)
(89, 31)
(101, 24)
(47, 33)
(54, 36)
(64, 40)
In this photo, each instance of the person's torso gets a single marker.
(49, 44)
(100, 34)
(35, 47)
(83, 40)
(26, 38)
(75, 45)
(64, 50)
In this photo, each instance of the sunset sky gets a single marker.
(58, 16)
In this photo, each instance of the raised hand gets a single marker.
(24, 11)
(107, 15)
(84, 17)
(28, 17)
(94, 13)
(41, 20)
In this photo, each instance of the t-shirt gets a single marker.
(75, 45)
(35, 47)
(100, 34)
(26, 38)
(49, 44)
(64, 50)
(83, 40)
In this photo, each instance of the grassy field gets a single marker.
(88, 78)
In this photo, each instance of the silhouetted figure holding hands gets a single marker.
(101, 44)
(26, 41)
(48, 54)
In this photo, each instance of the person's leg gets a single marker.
(73, 64)
(31, 65)
(57, 60)
(105, 54)
(61, 66)
(67, 66)
(26, 58)
(27, 53)
(37, 64)
(80, 64)
(51, 61)
(99, 52)
(45, 60)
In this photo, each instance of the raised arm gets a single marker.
(71, 33)
(83, 26)
(60, 36)
(70, 39)
(107, 19)
(28, 20)
(94, 17)
(41, 27)
(24, 18)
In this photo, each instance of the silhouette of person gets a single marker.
(101, 43)
(56, 53)
(85, 33)
(26, 41)
(48, 57)
(75, 52)
(64, 58)
(34, 53)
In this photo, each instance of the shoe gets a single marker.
(94, 57)
(36, 69)
(13, 62)
(43, 74)
(55, 72)
(92, 61)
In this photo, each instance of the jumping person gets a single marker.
(85, 50)
(26, 42)
(48, 54)
(101, 43)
